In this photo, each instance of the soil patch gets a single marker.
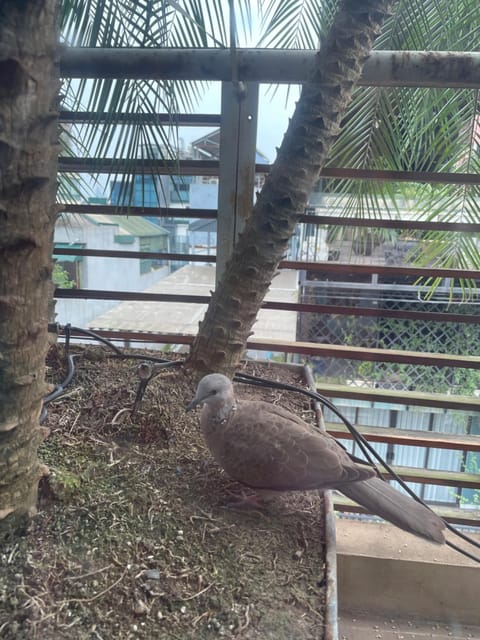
(133, 538)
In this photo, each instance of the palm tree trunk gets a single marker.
(313, 128)
(28, 155)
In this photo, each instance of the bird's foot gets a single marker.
(246, 501)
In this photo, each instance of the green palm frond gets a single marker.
(139, 23)
(417, 129)
(295, 24)
(411, 129)
(437, 25)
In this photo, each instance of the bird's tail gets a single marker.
(380, 498)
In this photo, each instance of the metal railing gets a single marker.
(257, 66)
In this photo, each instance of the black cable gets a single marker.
(462, 535)
(87, 332)
(68, 329)
(160, 361)
(60, 388)
(465, 553)
(361, 440)
(245, 378)
(364, 445)
(118, 352)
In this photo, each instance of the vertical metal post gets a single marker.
(238, 138)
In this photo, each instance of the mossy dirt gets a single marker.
(134, 538)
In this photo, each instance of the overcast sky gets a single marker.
(274, 112)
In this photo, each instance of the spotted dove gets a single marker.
(268, 448)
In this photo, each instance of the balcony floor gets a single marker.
(367, 627)
(395, 586)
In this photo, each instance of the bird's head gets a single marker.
(215, 390)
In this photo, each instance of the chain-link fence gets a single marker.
(389, 333)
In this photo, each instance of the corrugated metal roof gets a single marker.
(209, 144)
(181, 317)
(203, 225)
(130, 225)
(68, 245)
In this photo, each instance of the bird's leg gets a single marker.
(256, 500)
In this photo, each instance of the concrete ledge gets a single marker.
(385, 571)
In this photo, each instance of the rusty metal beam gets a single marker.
(376, 312)
(211, 214)
(325, 267)
(211, 168)
(158, 212)
(165, 119)
(383, 68)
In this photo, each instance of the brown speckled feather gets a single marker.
(268, 448)
(261, 446)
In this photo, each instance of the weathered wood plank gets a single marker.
(455, 515)
(409, 437)
(371, 355)
(407, 398)
(459, 479)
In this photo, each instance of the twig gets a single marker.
(209, 586)
(90, 573)
(118, 414)
(196, 620)
(98, 595)
(245, 624)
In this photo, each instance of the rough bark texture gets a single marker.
(28, 156)
(313, 128)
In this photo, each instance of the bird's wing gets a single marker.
(267, 447)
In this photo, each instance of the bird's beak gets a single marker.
(192, 404)
(196, 401)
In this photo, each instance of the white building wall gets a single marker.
(114, 274)
(203, 196)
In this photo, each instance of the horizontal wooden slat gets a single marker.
(379, 312)
(155, 212)
(146, 166)
(368, 354)
(321, 266)
(379, 269)
(140, 336)
(211, 168)
(407, 398)
(389, 223)
(134, 255)
(350, 173)
(342, 221)
(335, 351)
(388, 396)
(454, 515)
(409, 437)
(433, 476)
(426, 316)
(326, 350)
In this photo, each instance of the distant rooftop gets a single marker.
(208, 147)
(129, 226)
(178, 317)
